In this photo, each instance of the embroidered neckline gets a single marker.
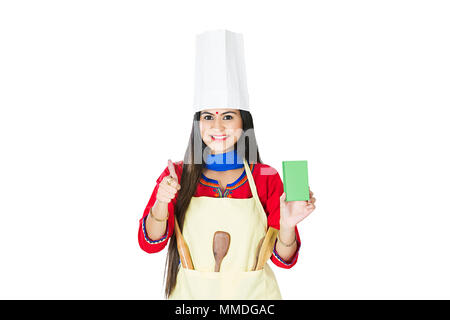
(204, 180)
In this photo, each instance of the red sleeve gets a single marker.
(147, 244)
(272, 206)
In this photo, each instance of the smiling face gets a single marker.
(220, 129)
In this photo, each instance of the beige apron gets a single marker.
(246, 222)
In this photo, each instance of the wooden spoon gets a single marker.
(267, 247)
(183, 249)
(221, 243)
(258, 248)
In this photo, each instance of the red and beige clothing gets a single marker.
(268, 184)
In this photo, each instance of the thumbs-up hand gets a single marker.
(168, 186)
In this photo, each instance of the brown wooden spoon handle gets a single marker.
(221, 244)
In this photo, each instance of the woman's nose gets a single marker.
(218, 123)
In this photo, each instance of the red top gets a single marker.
(269, 186)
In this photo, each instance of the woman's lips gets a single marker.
(221, 137)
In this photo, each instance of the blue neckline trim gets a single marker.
(228, 185)
(224, 161)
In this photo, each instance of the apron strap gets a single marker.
(255, 192)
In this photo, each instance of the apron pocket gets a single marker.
(226, 285)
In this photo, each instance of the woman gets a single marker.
(181, 181)
(221, 185)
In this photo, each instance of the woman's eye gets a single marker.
(207, 117)
(228, 117)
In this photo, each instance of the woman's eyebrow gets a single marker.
(228, 112)
(206, 112)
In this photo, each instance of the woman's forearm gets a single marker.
(287, 235)
(156, 229)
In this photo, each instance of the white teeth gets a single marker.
(219, 137)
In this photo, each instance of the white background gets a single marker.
(95, 96)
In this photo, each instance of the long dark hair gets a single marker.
(192, 170)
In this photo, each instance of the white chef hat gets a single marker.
(220, 77)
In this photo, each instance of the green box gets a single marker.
(295, 180)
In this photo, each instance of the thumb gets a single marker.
(283, 199)
(172, 172)
(282, 204)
